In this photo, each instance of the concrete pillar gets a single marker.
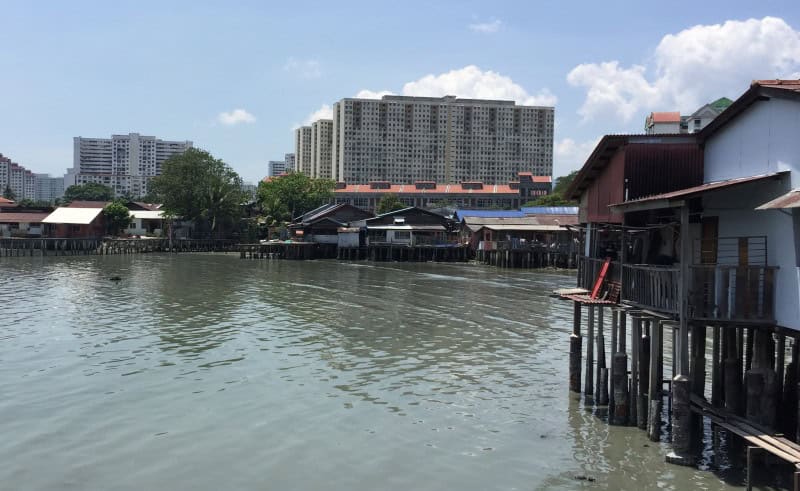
(681, 422)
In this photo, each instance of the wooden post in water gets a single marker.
(602, 380)
(732, 375)
(644, 376)
(636, 341)
(575, 350)
(656, 364)
(716, 370)
(588, 389)
(614, 349)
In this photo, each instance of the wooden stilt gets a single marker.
(588, 386)
(575, 350)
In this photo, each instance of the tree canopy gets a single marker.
(556, 198)
(286, 197)
(91, 191)
(389, 202)
(196, 186)
(8, 193)
(117, 217)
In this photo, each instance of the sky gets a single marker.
(236, 77)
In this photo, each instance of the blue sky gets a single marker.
(180, 70)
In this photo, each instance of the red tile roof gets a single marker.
(439, 189)
(88, 204)
(6, 217)
(4, 200)
(666, 117)
(792, 85)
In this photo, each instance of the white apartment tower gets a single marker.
(18, 178)
(125, 163)
(48, 188)
(443, 139)
(302, 150)
(288, 160)
(321, 145)
(276, 167)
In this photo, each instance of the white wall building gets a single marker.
(276, 167)
(443, 139)
(288, 159)
(48, 188)
(321, 141)
(125, 163)
(18, 178)
(302, 150)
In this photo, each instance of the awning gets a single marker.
(788, 200)
(148, 214)
(414, 228)
(526, 228)
(678, 198)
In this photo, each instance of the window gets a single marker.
(402, 235)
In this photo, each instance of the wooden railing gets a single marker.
(589, 269)
(652, 287)
(733, 293)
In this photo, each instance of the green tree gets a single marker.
(556, 198)
(196, 186)
(8, 193)
(91, 191)
(389, 202)
(117, 217)
(283, 198)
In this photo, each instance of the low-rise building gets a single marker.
(322, 224)
(21, 224)
(425, 194)
(412, 227)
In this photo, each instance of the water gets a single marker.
(211, 372)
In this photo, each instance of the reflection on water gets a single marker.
(209, 372)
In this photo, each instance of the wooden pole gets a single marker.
(614, 327)
(654, 399)
(636, 340)
(575, 350)
(589, 382)
(602, 385)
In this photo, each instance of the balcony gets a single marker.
(717, 292)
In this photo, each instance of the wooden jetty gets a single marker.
(16, 247)
(753, 371)
(526, 257)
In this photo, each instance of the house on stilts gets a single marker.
(692, 239)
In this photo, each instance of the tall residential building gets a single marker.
(288, 160)
(302, 150)
(441, 139)
(321, 142)
(125, 163)
(48, 188)
(276, 167)
(18, 178)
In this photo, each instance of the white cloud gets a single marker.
(486, 27)
(370, 94)
(467, 82)
(569, 155)
(307, 69)
(691, 68)
(235, 117)
(472, 82)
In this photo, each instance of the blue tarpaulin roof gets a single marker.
(460, 214)
(550, 210)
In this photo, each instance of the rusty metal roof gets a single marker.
(663, 200)
(7, 217)
(788, 200)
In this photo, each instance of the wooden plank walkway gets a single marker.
(755, 436)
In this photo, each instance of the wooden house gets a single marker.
(412, 226)
(322, 224)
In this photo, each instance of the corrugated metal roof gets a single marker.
(88, 204)
(524, 228)
(666, 117)
(22, 217)
(490, 213)
(550, 210)
(147, 214)
(420, 228)
(694, 191)
(74, 216)
(788, 200)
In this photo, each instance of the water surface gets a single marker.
(211, 372)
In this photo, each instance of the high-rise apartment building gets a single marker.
(288, 160)
(404, 139)
(125, 163)
(321, 145)
(302, 150)
(48, 188)
(20, 180)
(276, 167)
